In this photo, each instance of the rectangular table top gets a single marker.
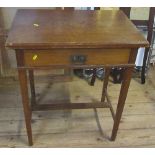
(45, 29)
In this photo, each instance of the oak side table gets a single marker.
(46, 39)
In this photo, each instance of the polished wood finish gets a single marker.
(127, 74)
(105, 93)
(61, 106)
(64, 57)
(123, 93)
(110, 105)
(25, 97)
(105, 84)
(75, 66)
(77, 29)
(57, 35)
(25, 101)
(32, 87)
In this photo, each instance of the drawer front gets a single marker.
(76, 57)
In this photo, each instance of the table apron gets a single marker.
(75, 57)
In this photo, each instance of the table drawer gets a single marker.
(76, 57)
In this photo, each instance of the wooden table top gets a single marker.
(41, 29)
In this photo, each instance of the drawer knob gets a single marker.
(78, 59)
(35, 57)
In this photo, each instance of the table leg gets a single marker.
(92, 82)
(121, 101)
(32, 87)
(25, 101)
(105, 83)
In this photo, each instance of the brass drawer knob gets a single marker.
(35, 57)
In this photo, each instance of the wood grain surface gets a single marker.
(41, 29)
(64, 56)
